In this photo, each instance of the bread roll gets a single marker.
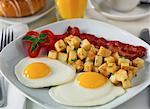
(20, 8)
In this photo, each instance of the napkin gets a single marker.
(15, 100)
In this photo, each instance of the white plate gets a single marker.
(15, 52)
(49, 7)
(139, 12)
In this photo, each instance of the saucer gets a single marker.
(141, 11)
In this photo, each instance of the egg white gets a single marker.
(61, 73)
(72, 94)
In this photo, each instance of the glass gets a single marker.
(68, 9)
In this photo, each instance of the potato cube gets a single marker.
(82, 53)
(126, 84)
(88, 59)
(79, 65)
(113, 79)
(62, 57)
(109, 59)
(130, 63)
(52, 54)
(88, 66)
(103, 69)
(138, 62)
(125, 66)
(93, 49)
(72, 57)
(130, 75)
(95, 69)
(60, 45)
(116, 56)
(75, 42)
(73, 65)
(104, 52)
(121, 75)
(133, 70)
(68, 49)
(90, 56)
(85, 44)
(67, 40)
(123, 60)
(98, 60)
(111, 68)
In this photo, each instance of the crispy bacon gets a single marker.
(126, 50)
(73, 31)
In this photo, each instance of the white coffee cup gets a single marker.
(123, 5)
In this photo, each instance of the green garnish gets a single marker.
(73, 60)
(35, 40)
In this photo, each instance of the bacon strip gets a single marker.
(129, 51)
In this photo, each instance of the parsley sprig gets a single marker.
(35, 40)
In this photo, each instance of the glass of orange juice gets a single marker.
(68, 9)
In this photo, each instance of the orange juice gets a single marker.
(71, 8)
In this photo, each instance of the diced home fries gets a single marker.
(84, 56)
(98, 60)
(104, 52)
(109, 59)
(85, 44)
(88, 66)
(52, 54)
(82, 53)
(62, 57)
(126, 84)
(79, 65)
(72, 57)
(138, 62)
(93, 49)
(60, 45)
(111, 68)
(90, 56)
(73, 41)
(103, 69)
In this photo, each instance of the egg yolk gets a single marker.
(36, 70)
(91, 80)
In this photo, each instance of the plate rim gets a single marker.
(42, 27)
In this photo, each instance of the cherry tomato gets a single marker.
(32, 33)
(49, 40)
(34, 53)
(48, 33)
(28, 43)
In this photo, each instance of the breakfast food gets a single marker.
(20, 8)
(43, 72)
(117, 61)
(87, 70)
(88, 89)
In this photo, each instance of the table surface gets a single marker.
(140, 101)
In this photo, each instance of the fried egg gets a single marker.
(88, 89)
(43, 72)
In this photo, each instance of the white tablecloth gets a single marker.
(138, 102)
